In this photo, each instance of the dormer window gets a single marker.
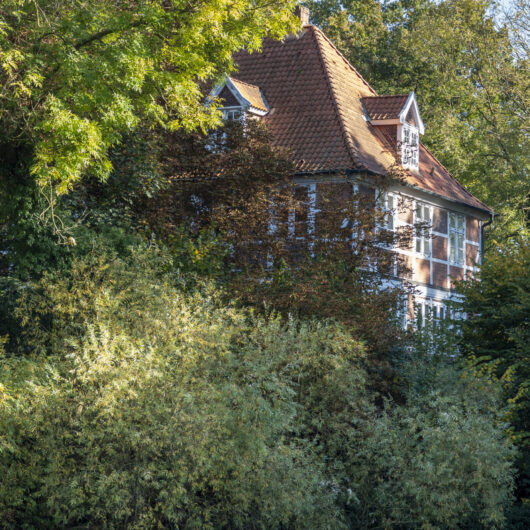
(239, 99)
(232, 113)
(398, 118)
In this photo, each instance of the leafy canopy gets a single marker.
(136, 401)
(496, 337)
(75, 76)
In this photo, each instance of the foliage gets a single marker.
(435, 463)
(132, 394)
(28, 246)
(336, 288)
(496, 337)
(76, 76)
(150, 409)
(142, 401)
(236, 184)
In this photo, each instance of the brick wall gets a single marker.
(439, 247)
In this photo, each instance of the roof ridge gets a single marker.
(349, 147)
(454, 178)
(243, 82)
(346, 60)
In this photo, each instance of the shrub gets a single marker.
(150, 409)
(144, 401)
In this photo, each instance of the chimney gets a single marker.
(302, 13)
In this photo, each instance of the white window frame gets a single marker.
(311, 215)
(236, 113)
(219, 135)
(456, 229)
(430, 309)
(388, 205)
(410, 146)
(402, 312)
(423, 242)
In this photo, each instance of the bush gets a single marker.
(495, 341)
(148, 409)
(145, 402)
(438, 462)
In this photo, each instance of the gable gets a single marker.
(227, 98)
(235, 93)
(411, 119)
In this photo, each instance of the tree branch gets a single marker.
(103, 33)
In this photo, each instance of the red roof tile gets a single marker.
(384, 107)
(316, 96)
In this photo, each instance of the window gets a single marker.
(429, 311)
(389, 210)
(422, 310)
(232, 114)
(456, 238)
(409, 146)
(402, 313)
(385, 220)
(217, 138)
(301, 217)
(422, 222)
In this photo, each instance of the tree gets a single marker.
(141, 400)
(130, 426)
(496, 338)
(76, 77)
(238, 183)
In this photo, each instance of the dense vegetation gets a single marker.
(496, 343)
(145, 400)
(154, 374)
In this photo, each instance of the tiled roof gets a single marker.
(384, 107)
(315, 97)
(251, 93)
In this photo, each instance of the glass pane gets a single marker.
(427, 213)
(418, 244)
(427, 246)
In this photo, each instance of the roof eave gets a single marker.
(357, 171)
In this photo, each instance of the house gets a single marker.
(341, 133)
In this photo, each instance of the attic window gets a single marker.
(232, 113)
(409, 146)
(400, 119)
